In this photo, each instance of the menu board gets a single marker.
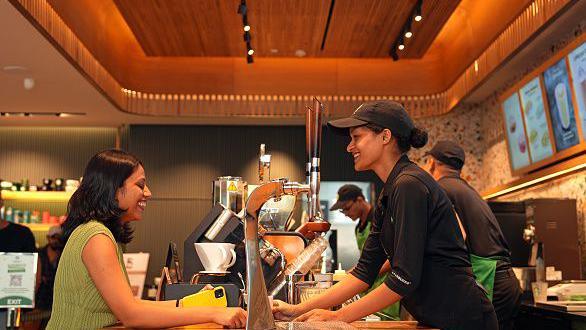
(561, 110)
(535, 121)
(577, 60)
(515, 132)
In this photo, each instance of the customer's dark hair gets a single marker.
(417, 139)
(95, 199)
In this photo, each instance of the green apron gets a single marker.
(390, 313)
(484, 270)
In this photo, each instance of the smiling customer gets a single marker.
(414, 228)
(91, 286)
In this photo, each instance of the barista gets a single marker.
(415, 229)
(490, 256)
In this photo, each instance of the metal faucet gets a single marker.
(258, 301)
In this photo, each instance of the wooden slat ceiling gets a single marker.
(359, 29)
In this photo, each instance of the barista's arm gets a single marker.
(373, 302)
(336, 295)
(385, 268)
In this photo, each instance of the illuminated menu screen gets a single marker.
(561, 110)
(535, 122)
(577, 60)
(515, 132)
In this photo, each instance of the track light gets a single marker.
(408, 34)
(418, 16)
(401, 47)
(242, 8)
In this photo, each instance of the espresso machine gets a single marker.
(262, 265)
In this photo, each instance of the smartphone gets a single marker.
(215, 297)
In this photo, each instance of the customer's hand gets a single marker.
(319, 315)
(284, 311)
(231, 317)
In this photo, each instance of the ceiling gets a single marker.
(365, 28)
(142, 58)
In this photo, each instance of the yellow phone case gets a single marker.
(207, 298)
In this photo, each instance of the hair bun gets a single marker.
(418, 138)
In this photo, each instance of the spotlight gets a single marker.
(408, 34)
(249, 59)
(418, 16)
(401, 47)
(401, 44)
(246, 28)
(250, 51)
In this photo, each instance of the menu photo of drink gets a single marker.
(559, 98)
(577, 59)
(536, 121)
(518, 151)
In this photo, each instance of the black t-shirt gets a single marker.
(484, 235)
(416, 229)
(16, 238)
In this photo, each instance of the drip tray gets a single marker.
(330, 325)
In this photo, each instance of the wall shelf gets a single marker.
(45, 196)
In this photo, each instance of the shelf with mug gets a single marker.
(45, 196)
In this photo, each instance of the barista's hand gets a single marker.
(319, 315)
(284, 311)
(231, 317)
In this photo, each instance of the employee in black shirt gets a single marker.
(484, 239)
(415, 229)
(15, 237)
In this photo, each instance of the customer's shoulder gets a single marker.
(89, 229)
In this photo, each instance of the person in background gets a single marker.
(49, 259)
(490, 256)
(91, 289)
(15, 237)
(351, 203)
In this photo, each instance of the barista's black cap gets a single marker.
(347, 192)
(449, 153)
(384, 113)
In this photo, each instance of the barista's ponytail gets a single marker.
(418, 138)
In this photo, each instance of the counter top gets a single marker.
(362, 325)
(552, 312)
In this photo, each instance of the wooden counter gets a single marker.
(362, 325)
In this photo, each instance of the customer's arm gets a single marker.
(100, 259)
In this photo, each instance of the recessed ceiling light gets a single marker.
(300, 53)
(14, 69)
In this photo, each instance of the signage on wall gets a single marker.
(577, 60)
(536, 121)
(551, 104)
(559, 97)
(17, 279)
(516, 132)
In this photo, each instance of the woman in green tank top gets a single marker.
(91, 286)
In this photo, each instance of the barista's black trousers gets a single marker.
(506, 298)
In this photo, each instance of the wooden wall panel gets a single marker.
(37, 153)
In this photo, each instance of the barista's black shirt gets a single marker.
(16, 238)
(414, 225)
(484, 235)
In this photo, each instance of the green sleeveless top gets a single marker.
(77, 303)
